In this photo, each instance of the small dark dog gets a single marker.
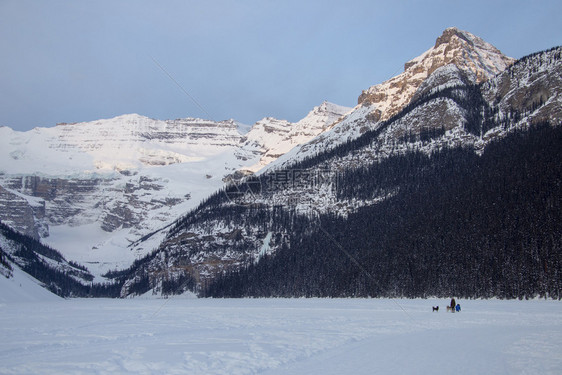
(435, 308)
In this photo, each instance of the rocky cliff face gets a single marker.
(25, 216)
(533, 85)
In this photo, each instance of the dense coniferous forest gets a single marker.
(62, 280)
(458, 224)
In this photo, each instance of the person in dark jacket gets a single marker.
(453, 304)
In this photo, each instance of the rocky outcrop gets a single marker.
(25, 216)
(533, 85)
(64, 201)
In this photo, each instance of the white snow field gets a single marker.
(279, 336)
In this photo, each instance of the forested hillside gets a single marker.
(458, 224)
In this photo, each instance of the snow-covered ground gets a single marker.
(279, 336)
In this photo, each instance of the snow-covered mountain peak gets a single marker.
(478, 59)
(451, 32)
(327, 112)
(453, 37)
(473, 53)
(270, 138)
(122, 120)
(327, 106)
(129, 141)
(457, 58)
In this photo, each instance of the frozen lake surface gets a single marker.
(279, 336)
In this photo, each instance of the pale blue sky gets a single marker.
(72, 61)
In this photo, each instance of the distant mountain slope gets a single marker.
(92, 190)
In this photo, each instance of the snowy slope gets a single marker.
(21, 287)
(117, 144)
(15, 284)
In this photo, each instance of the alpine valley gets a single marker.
(444, 180)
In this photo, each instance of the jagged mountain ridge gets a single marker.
(472, 59)
(226, 234)
(473, 56)
(93, 189)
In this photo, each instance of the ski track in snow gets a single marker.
(279, 336)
